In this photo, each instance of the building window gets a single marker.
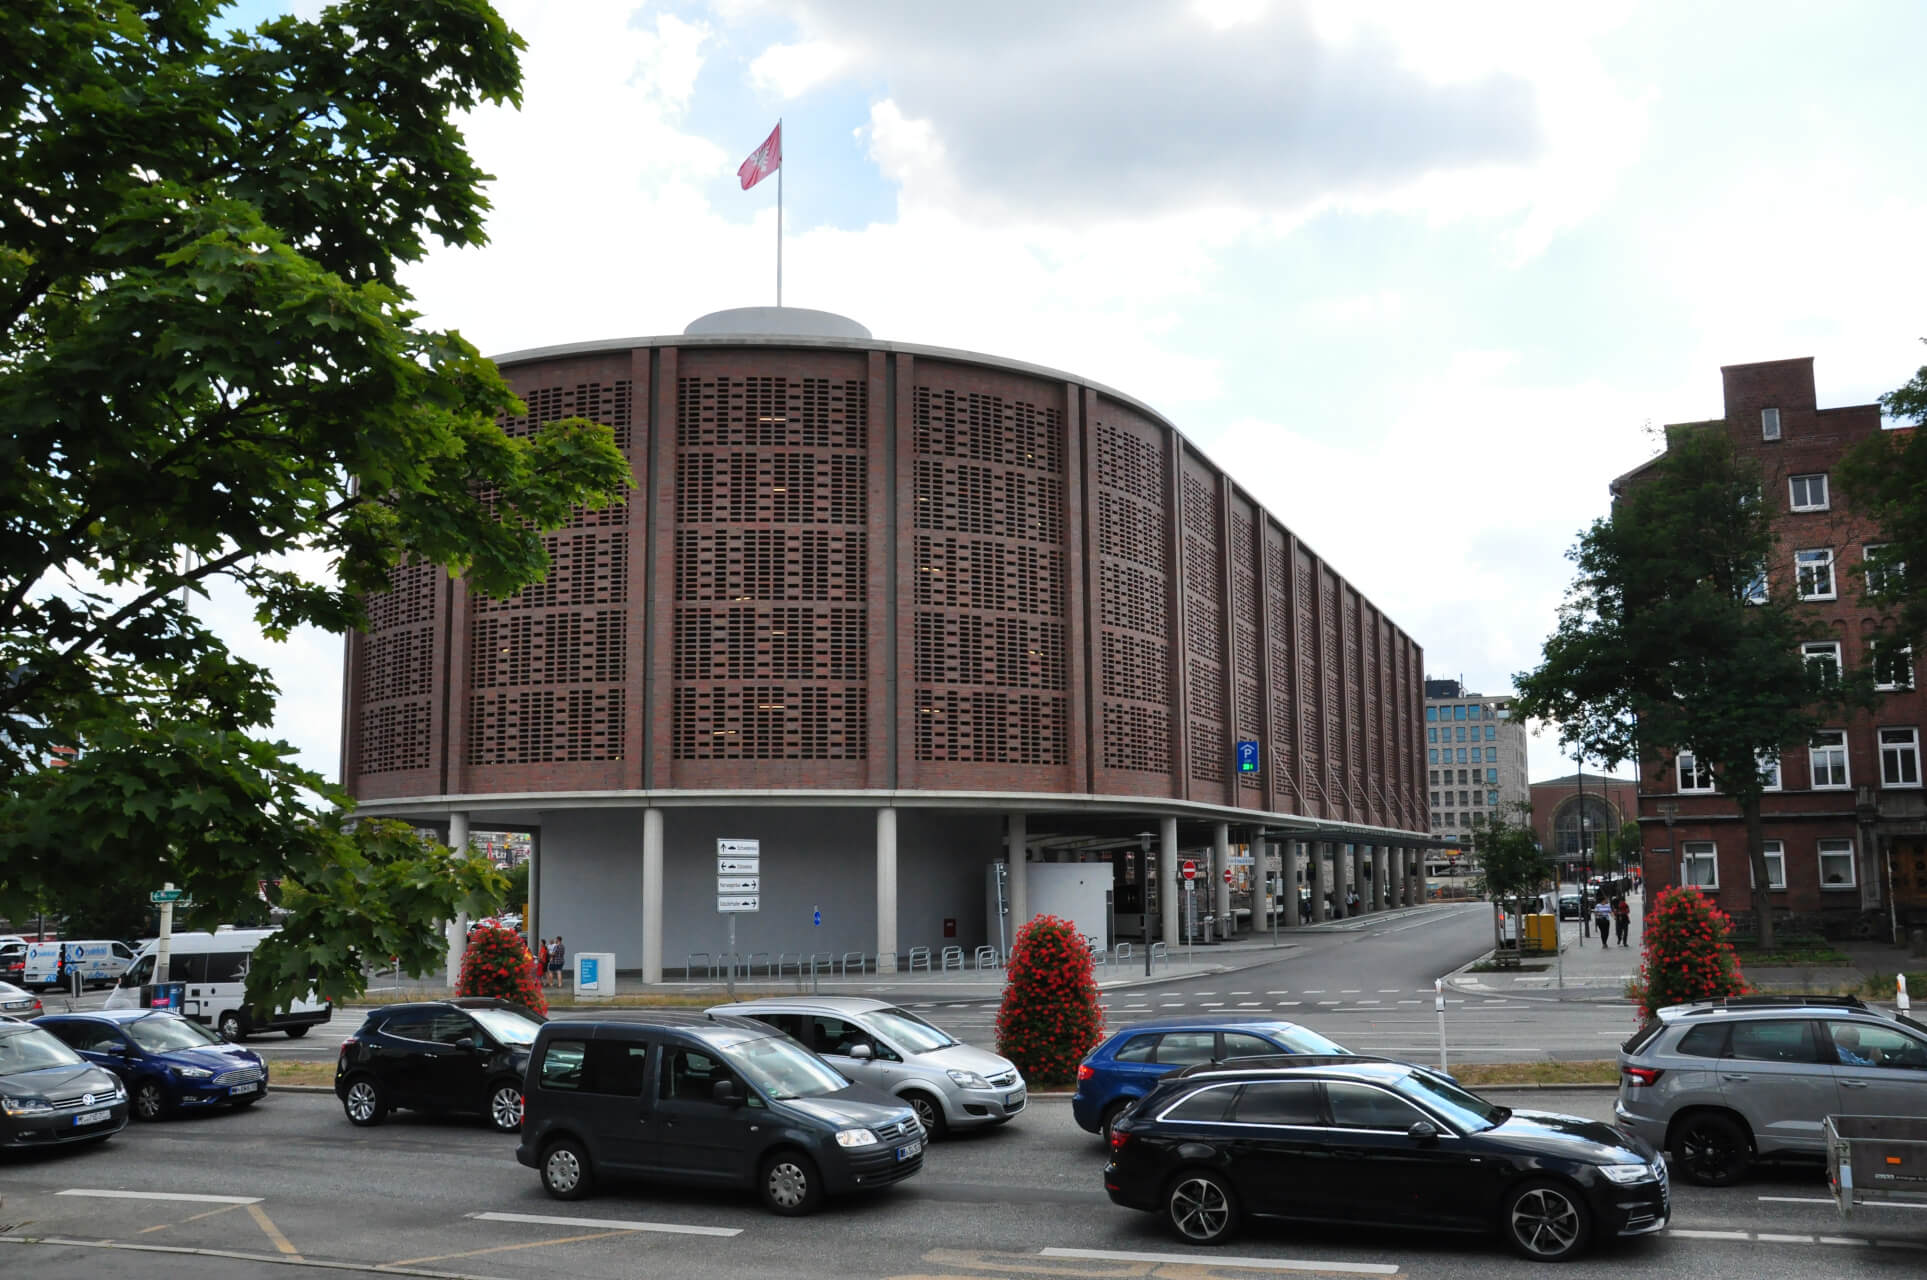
(1775, 864)
(1882, 568)
(1432, 777)
(1828, 759)
(1492, 797)
(1432, 755)
(1693, 775)
(1808, 493)
(1461, 755)
(1461, 777)
(1769, 424)
(1463, 801)
(1893, 665)
(1813, 571)
(1492, 776)
(1825, 656)
(1699, 864)
(1755, 590)
(1435, 799)
(1900, 757)
(1491, 732)
(1432, 735)
(1459, 736)
(1769, 771)
(1836, 864)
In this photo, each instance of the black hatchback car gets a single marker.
(467, 1055)
(707, 1100)
(1382, 1143)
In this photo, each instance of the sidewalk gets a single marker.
(1585, 969)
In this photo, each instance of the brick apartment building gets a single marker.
(1846, 826)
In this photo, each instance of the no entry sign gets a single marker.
(1190, 869)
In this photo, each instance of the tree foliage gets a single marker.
(1050, 1018)
(1687, 953)
(1663, 644)
(202, 339)
(498, 964)
(1885, 477)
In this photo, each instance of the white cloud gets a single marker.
(792, 70)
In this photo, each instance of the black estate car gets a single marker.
(1383, 1143)
(707, 1100)
(466, 1055)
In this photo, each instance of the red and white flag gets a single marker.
(763, 161)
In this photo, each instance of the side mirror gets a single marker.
(466, 1042)
(724, 1091)
(1422, 1133)
(861, 1051)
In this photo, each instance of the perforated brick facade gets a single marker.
(858, 565)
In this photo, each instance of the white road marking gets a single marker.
(1314, 991)
(1220, 1260)
(1767, 1238)
(182, 1196)
(1240, 993)
(1365, 1002)
(1388, 991)
(1323, 1003)
(1409, 1002)
(1178, 1005)
(1898, 1204)
(607, 1224)
(1348, 991)
(1289, 1004)
(1687, 1234)
(1251, 1004)
(1213, 1004)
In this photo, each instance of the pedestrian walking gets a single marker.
(1622, 919)
(558, 956)
(542, 964)
(1602, 919)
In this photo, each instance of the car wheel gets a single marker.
(790, 1184)
(1200, 1207)
(566, 1173)
(233, 1026)
(150, 1101)
(1111, 1113)
(295, 1033)
(929, 1114)
(366, 1102)
(505, 1107)
(1711, 1149)
(1546, 1222)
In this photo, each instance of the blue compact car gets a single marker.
(167, 1062)
(1128, 1064)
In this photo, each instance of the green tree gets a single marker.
(1885, 478)
(209, 374)
(1664, 644)
(1513, 869)
(1050, 1018)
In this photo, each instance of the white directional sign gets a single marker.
(739, 870)
(736, 902)
(738, 884)
(738, 866)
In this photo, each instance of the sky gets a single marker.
(1423, 278)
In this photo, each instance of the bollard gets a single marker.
(1900, 993)
(1438, 989)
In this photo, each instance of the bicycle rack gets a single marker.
(1122, 953)
(861, 962)
(749, 968)
(987, 953)
(1159, 951)
(689, 966)
(919, 955)
(952, 955)
(791, 959)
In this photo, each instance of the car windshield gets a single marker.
(164, 1033)
(507, 1026)
(782, 1068)
(33, 1049)
(909, 1032)
(1299, 1040)
(1466, 1111)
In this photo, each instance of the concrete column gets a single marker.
(1291, 863)
(652, 895)
(1170, 887)
(1381, 869)
(1221, 888)
(1395, 874)
(886, 890)
(1019, 882)
(1318, 878)
(530, 916)
(455, 932)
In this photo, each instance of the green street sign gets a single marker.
(165, 895)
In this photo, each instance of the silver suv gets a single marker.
(1718, 1084)
(949, 1084)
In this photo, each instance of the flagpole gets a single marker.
(779, 219)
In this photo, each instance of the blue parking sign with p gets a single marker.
(1247, 756)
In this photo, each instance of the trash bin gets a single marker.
(163, 995)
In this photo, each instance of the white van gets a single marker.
(213, 971)
(100, 961)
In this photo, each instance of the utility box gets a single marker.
(1542, 933)
(595, 973)
(1079, 892)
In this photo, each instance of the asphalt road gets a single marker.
(291, 1182)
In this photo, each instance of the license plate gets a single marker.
(911, 1149)
(245, 1088)
(91, 1117)
(1014, 1098)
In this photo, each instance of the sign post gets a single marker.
(739, 878)
(165, 896)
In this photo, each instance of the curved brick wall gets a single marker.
(872, 566)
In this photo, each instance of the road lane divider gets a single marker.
(183, 1197)
(607, 1224)
(1216, 1260)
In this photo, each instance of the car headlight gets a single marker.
(25, 1106)
(968, 1079)
(1627, 1173)
(191, 1073)
(855, 1138)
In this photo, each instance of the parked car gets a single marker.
(949, 1084)
(13, 960)
(467, 1055)
(1371, 1142)
(1720, 1084)
(707, 1100)
(1571, 907)
(19, 1001)
(1133, 1059)
(168, 1063)
(98, 961)
(50, 1095)
(212, 969)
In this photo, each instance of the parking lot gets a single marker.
(292, 1182)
